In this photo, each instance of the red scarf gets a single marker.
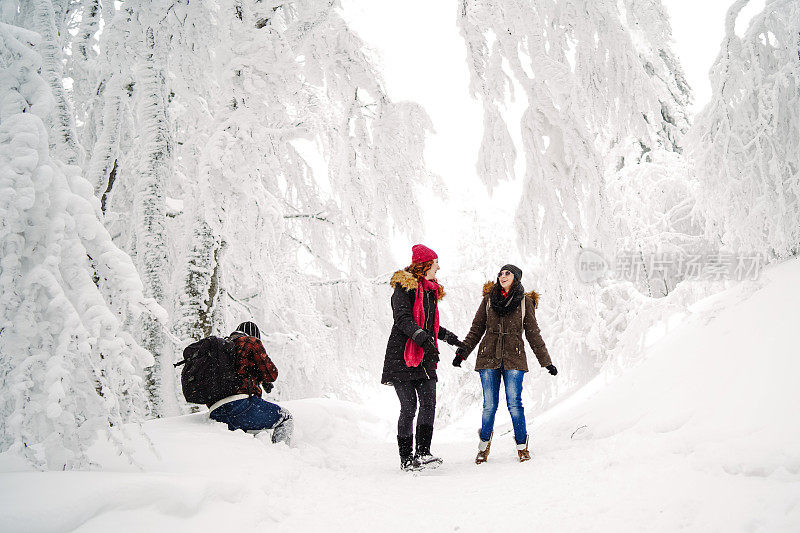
(414, 353)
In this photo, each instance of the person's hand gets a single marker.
(429, 346)
(452, 339)
(267, 387)
(461, 355)
(552, 369)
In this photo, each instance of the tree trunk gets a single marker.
(150, 215)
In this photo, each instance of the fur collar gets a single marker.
(410, 283)
(487, 288)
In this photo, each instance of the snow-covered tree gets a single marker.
(648, 25)
(154, 152)
(69, 365)
(124, 109)
(49, 20)
(604, 93)
(655, 220)
(284, 169)
(746, 141)
(305, 252)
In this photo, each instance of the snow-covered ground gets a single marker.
(702, 435)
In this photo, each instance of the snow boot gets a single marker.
(423, 455)
(522, 451)
(283, 430)
(483, 449)
(408, 462)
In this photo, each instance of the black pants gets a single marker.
(408, 392)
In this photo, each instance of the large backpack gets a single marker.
(209, 374)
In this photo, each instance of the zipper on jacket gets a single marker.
(426, 373)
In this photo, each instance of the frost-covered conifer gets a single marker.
(68, 296)
(48, 19)
(154, 168)
(132, 156)
(746, 141)
(103, 85)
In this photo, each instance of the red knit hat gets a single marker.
(421, 253)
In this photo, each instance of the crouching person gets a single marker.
(246, 409)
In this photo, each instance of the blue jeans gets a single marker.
(254, 413)
(490, 380)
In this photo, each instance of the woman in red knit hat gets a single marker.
(412, 354)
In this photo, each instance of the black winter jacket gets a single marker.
(394, 364)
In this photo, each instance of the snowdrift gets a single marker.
(702, 435)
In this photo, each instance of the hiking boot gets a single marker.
(409, 464)
(522, 451)
(424, 456)
(428, 461)
(483, 449)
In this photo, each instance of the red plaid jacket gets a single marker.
(255, 366)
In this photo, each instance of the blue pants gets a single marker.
(254, 413)
(490, 381)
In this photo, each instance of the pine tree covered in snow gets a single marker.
(68, 296)
(746, 141)
(49, 20)
(154, 152)
(132, 156)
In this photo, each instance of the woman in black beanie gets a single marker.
(505, 313)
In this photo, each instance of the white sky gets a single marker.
(697, 29)
(422, 58)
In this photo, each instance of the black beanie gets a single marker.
(250, 329)
(514, 270)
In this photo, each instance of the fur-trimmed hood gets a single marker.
(409, 282)
(487, 288)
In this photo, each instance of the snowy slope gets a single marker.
(702, 435)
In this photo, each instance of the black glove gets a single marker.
(429, 346)
(461, 355)
(552, 369)
(452, 339)
(267, 387)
